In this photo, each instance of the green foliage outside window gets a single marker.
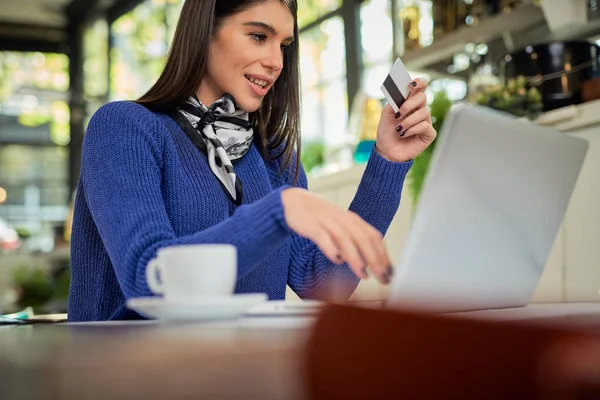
(439, 108)
(39, 73)
(310, 10)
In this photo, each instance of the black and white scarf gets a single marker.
(226, 135)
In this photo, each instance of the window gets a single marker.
(141, 43)
(34, 176)
(95, 66)
(311, 10)
(376, 43)
(34, 134)
(323, 78)
(173, 9)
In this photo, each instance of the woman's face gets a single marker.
(246, 54)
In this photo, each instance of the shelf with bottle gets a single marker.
(459, 24)
(423, 21)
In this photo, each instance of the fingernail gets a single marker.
(402, 134)
(385, 279)
(398, 128)
(397, 114)
(414, 84)
(364, 270)
(390, 271)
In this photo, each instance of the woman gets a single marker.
(210, 155)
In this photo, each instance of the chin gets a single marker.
(250, 105)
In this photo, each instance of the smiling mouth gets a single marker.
(258, 82)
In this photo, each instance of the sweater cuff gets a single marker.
(276, 209)
(383, 177)
(268, 214)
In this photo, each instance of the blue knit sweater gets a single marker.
(143, 186)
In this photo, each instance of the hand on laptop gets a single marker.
(403, 136)
(342, 235)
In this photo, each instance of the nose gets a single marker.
(273, 60)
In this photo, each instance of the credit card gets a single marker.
(395, 86)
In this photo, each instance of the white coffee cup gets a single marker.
(193, 272)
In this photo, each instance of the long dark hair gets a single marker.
(278, 118)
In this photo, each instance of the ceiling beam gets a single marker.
(33, 32)
(33, 13)
(31, 45)
(26, 37)
(121, 7)
(80, 11)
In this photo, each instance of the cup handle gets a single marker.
(153, 282)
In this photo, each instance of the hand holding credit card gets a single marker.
(403, 135)
(396, 85)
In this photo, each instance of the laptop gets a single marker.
(490, 209)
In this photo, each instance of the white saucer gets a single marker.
(211, 308)
(287, 308)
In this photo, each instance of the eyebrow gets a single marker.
(267, 27)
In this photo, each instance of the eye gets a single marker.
(259, 37)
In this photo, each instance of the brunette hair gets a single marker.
(278, 118)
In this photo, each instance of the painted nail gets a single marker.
(399, 128)
(414, 84)
(402, 133)
(397, 114)
(390, 271)
(385, 278)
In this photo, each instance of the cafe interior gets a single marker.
(532, 60)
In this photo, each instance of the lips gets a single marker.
(261, 81)
(259, 85)
(258, 82)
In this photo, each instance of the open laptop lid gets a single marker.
(491, 206)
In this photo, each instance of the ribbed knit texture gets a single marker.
(143, 186)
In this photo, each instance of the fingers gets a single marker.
(423, 129)
(326, 243)
(342, 236)
(349, 249)
(372, 249)
(414, 102)
(415, 118)
(360, 245)
(387, 110)
(418, 85)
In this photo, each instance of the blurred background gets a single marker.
(60, 60)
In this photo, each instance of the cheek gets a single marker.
(227, 64)
(215, 66)
(243, 57)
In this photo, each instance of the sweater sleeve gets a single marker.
(121, 177)
(311, 274)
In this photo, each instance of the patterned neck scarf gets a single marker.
(226, 133)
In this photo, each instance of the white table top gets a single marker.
(300, 322)
(264, 351)
(536, 311)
